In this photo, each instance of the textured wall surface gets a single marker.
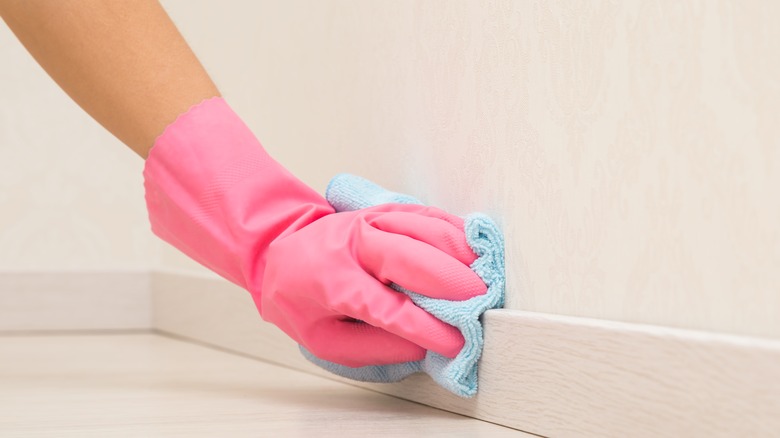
(70, 193)
(630, 149)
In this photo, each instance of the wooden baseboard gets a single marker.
(547, 374)
(81, 300)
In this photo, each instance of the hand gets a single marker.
(327, 284)
(214, 193)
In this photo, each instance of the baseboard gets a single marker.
(547, 374)
(216, 312)
(74, 301)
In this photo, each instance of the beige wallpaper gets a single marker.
(630, 149)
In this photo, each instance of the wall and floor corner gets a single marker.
(630, 151)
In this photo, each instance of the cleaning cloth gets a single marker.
(458, 375)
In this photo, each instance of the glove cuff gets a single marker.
(214, 193)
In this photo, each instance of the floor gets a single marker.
(148, 385)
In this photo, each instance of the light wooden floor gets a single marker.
(146, 385)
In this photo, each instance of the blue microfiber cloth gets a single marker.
(459, 375)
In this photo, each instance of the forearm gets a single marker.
(123, 62)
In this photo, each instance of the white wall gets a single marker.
(631, 149)
(71, 195)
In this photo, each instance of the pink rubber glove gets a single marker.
(214, 193)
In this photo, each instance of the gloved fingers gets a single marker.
(355, 344)
(416, 266)
(371, 301)
(424, 210)
(446, 235)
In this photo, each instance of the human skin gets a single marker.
(123, 61)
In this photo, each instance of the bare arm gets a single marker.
(123, 61)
